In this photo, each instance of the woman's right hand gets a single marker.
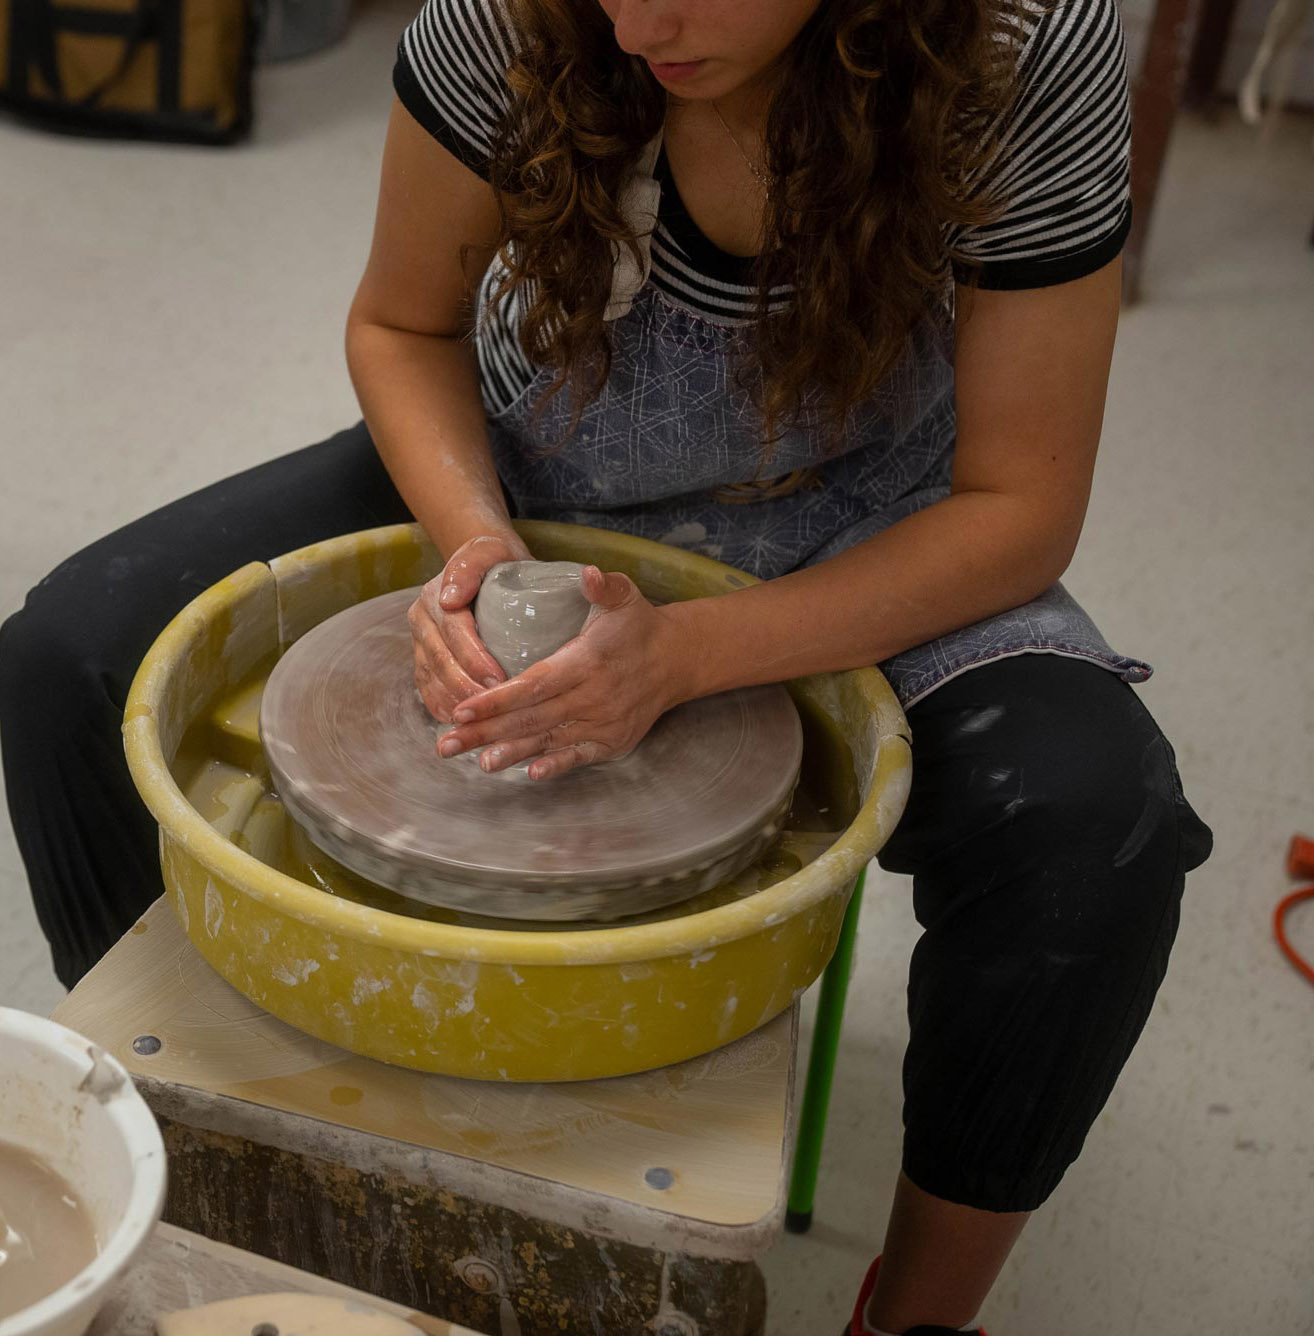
(451, 662)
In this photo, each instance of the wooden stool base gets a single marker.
(634, 1206)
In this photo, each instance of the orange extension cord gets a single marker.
(1300, 863)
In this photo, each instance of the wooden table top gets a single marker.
(706, 1141)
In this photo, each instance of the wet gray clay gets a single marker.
(526, 610)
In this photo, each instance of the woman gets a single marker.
(826, 289)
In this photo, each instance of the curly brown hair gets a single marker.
(883, 117)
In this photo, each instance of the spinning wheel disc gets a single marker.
(352, 751)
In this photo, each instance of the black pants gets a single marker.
(1046, 832)
(1048, 841)
(68, 657)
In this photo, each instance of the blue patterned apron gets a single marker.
(672, 430)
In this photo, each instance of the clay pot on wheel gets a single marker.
(526, 610)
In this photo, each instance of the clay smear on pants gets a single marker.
(46, 1236)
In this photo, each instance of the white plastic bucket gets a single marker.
(70, 1104)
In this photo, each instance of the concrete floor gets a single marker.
(172, 315)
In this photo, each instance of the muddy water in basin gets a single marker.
(46, 1236)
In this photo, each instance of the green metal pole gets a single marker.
(821, 1070)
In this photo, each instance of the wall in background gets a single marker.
(1251, 17)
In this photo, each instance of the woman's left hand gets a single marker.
(593, 700)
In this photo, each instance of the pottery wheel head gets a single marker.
(353, 753)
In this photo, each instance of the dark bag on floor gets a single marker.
(157, 69)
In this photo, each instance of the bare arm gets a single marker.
(1031, 375)
(415, 374)
(411, 361)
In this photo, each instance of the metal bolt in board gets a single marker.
(672, 1323)
(482, 1277)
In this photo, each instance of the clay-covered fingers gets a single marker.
(533, 721)
(465, 569)
(551, 752)
(608, 591)
(564, 671)
(458, 585)
(438, 657)
(592, 700)
(564, 759)
(457, 631)
(437, 699)
(503, 755)
(442, 620)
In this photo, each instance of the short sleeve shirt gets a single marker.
(671, 449)
(1061, 164)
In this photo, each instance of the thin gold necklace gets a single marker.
(758, 175)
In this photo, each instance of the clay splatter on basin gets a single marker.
(452, 992)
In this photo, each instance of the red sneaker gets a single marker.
(857, 1327)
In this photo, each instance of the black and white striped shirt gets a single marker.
(1062, 163)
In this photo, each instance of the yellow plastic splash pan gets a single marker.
(474, 997)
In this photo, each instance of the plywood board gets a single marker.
(706, 1140)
